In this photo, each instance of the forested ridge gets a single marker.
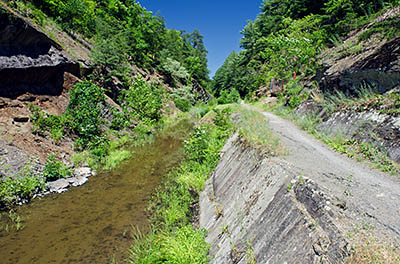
(287, 37)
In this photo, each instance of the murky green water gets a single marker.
(93, 223)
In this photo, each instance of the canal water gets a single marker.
(93, 223)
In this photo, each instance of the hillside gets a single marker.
(331, 68)
(45, 56)
(175, 167)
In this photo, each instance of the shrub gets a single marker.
(197, 146)
(183, 104)
(143, 101)
(43, 122)
(229, 96)
(54, 169)
(84, 112)
(174, 69)
(23, 185)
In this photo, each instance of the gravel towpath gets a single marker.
(369, 195)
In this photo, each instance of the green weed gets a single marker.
(21, 186)
(254, 128)
(173, 238)
(55, 169)
(114, 159)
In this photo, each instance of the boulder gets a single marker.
(83, 172)
(58, 186)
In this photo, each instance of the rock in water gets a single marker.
(58, 186)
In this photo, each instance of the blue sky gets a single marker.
(219, 21)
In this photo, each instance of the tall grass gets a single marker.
(174, 237)
(255, 129)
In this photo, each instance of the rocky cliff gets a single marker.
(34, 69)
(30, 61)
(373, 63)
(254, 209)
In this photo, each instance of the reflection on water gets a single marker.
(92, 223)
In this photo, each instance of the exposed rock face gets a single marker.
(373, 63)
(29, 60)
(379, 129)
(254, 210)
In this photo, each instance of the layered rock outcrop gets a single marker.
(30, 61)
(255, 210)
(356, 64)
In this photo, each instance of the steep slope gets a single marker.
(251, 214)
(306, 206)
(119, 88)
(366, 58)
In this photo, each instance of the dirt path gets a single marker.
(370, 195)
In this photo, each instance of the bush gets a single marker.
(84, 112)
(43, 122)
(55, 169)
(183, 104)
(228, 97)
(23, 185)
(143, 101)
(177, 72)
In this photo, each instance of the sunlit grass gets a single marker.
(368, 248)
(255, 129)
(173, 238)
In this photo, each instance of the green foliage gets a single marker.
(174, 69)
(83, 115)
(73, 14)
(55, 169)
(183, 98)
(83, 118)
(184, 245)
(21, 186)
(183, 104)
(119, 120)
(143, 101)
(389, 28)
(84, 111)
(99, 147)
(43, 122)
(287, 36)
(295, 94)
(202, 146)
(115, 157)
(173, 239)
(229, 96)
(126, 34)
(197, 146)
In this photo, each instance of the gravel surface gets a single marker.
(369, 195)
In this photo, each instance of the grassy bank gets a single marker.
(175, 236)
